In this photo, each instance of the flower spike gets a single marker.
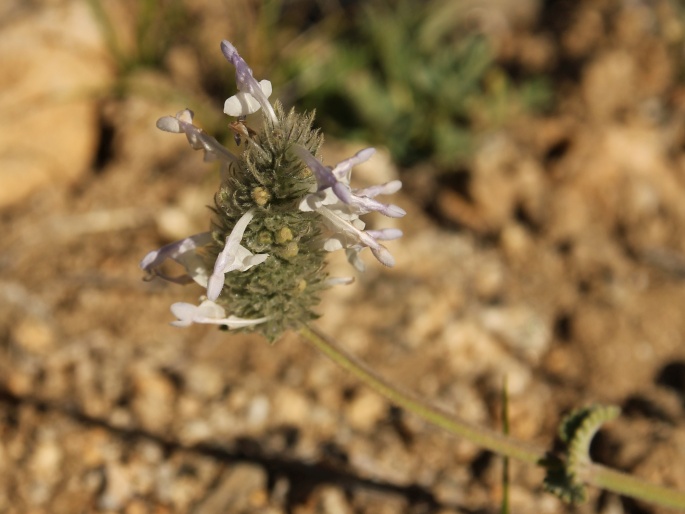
(276, 214)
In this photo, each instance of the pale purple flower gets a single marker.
(340, 207)
(245, 80)
(208, 312)
(185, 252)
(233, 257)
(198, 138)
(338, 179)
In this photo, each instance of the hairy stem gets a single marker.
(486, 438)
(593, 474)
(628, 485)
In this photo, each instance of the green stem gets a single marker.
(593, 474)
(505, 508)
(627, 485)
(483, 437)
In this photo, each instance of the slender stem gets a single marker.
(505, 508)
(483, 437)
(627, 485)
(593, 474)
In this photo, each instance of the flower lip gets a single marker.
(243, 103)
(233, 257)
(208, 312)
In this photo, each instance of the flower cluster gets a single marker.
(278, 211)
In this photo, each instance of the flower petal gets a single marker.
(183, 252)
(363, 204)
(352, 237)
(353, 258)
(233, 257)
(383, 256)
(382, 189)
(339, 281)
(210, 313)
(198, 139)
(343, 170)
(242, 103)
(385, 234)
(324, 176)
(215, 284)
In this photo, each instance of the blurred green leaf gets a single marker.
(418, 80)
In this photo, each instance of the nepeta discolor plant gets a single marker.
(277, 212)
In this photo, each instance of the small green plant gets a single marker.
(417, 78)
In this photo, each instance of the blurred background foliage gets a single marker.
(156, 26)
(418, 77)
(422, 78)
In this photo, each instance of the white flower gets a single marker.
(208, 312)
(246, 82)
(233, 257)
(185, 252)
(243, 103)
(340, 206)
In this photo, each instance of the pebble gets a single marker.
(136, 506)
(33, 335)
(153, 399)
(195, 431)
(258, 411)
(241, 488)
(204, 380)
(521, 328)
(290, 406)
(369, 501)
(118, 487)
(46, 460)
(18, 381)
(488, 281)
(332, 501)
(365, 410)
(517, 244)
